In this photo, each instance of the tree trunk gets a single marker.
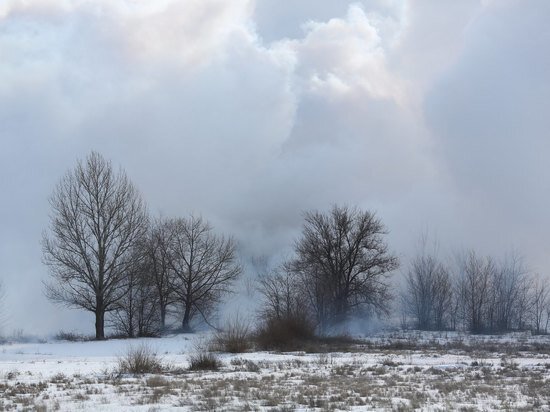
(162, 317)
(100, 324)
(185, 324)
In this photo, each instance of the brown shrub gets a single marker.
(139, 360)
(204, 361)
(286, 333)
(235, 338)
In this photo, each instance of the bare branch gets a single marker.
(97, 218)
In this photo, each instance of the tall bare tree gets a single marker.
(157, 250)
(510, 294)
(343, 258)
(97, 217)
(138, 312)
(475, 284)
(282, 292)
(540, 302)
(204, 266)
(428, 293)
(286, 316)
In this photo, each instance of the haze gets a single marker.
(433, 114)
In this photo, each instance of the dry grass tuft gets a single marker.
(204, 360)
(140, 360)
(235, 338)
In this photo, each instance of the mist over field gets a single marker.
(434, 115)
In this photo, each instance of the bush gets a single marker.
(72, 337)
(204, 361)
(140, 360)
(235, 338)
(285, 333)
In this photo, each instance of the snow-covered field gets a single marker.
(390, 371)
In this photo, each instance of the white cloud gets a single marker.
(252, 112)
(343, 55)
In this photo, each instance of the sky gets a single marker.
(434, 115)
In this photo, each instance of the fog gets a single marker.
(432, 114)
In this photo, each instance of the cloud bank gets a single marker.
(432, 114)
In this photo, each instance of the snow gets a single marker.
(48, 359)
(443, 371)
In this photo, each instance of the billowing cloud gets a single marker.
(490, 115)
(251, 112)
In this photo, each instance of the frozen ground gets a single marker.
(390, 371)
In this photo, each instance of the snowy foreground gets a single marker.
(397, 371)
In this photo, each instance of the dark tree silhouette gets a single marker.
(138, 312)
(474, 287)
(540, 302)
(428, 294)
(204, 266)
(343, 259)
(97, 218)
(157, 252)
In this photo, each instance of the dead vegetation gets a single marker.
(204, 361)
(344, 381)
(140, 360)
(236, 337)
(370, 376)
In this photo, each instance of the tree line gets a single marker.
(106, 255)
(477, 293)
(340, 269)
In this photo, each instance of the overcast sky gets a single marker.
(433, 114)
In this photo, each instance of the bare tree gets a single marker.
(523, 305)
(540, 302)
(157, 250)
(455, 305)
(428, 293)
(492, 297)
(282, 292)
(286, 316)
(475, 283)
(204, 266)
(345, 262)
(443, 298)
(97, 217)
(509, 294)
(138, 312)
